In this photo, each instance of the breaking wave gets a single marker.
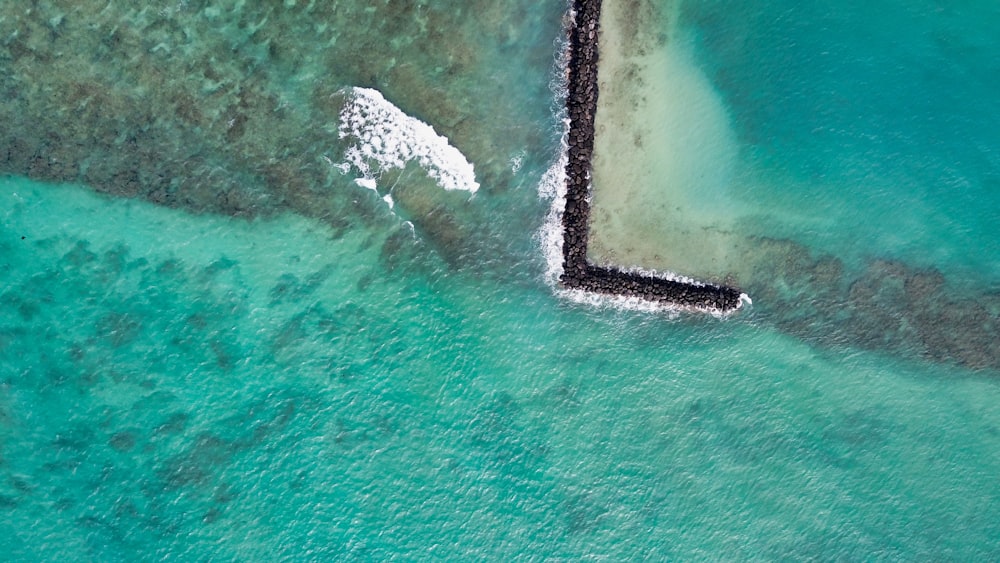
(384, 138)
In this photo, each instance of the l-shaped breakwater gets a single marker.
(578, 273)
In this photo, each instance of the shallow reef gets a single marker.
(887, 305)
(229, 108)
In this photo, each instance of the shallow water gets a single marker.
(862, 129)
(313, 377)
(835, 162)
(665, 151)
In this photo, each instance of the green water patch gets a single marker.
(201, 386)
(331, 384)
(153, 353)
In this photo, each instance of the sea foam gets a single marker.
(385, 138)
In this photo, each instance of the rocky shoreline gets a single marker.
(581, 107)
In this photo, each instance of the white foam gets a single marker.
(623, 303)
(367, 183)
(553, 183)
(664, 275)
(516, 162)
(550, 237)
(385, 138)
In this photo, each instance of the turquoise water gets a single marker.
(882, 105)
(302, 375)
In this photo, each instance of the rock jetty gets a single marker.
(581, 106)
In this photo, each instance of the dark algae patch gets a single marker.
(581, 106)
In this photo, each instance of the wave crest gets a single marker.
(385, 138)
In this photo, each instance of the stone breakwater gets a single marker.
(581, 107)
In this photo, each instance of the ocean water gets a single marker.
(860, 130)
(225, 335)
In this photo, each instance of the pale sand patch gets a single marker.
(664, 153)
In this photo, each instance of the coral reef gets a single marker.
(888, 305)
(227, 108)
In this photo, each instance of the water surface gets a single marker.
(215, 345)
